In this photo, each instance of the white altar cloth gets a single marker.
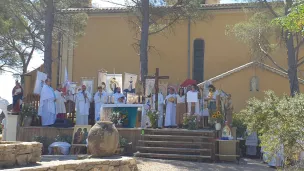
(104, 117)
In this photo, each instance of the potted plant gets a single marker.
(216, 119)
(153, 117)
(28, 112)
(190, 122)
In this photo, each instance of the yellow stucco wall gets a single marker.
(238, 85)
(109, 39)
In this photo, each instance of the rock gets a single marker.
(103, 139)
(124, 168)
(22, 160)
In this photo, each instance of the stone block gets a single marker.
(124, 168)
(22, 160)
(60, 168)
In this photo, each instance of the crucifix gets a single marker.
(157, 77)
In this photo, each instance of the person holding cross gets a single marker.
(170, 120)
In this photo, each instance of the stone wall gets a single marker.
(114, 164)
(19, 153)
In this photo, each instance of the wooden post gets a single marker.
(157, 77)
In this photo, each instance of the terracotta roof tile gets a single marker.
(124, 9)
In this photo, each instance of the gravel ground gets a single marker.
(145, 164)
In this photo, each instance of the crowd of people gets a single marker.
(52, 103)
(177, 104)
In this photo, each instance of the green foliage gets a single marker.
(258, 33)
(122, 141)
(22, 30)
(28, 110)
(241, 127)
(190, 122)
(153, 117)
(278, 120)
(294, 21)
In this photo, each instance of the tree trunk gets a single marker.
(144, 40)
(292, 61)
(292, 66)
(49, 24)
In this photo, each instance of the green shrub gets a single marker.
(278, 121)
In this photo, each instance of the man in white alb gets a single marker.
(47, 106)
(99, 98)
(118, 96)
(83, 99)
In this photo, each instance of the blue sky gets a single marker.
(6, 79)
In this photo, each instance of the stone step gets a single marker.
(169, 131)
(174, 150)
(182, 143)
(176, 137)
(172, 156)
(179, 131)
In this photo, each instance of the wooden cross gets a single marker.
(157, 77)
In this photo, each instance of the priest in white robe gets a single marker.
(83, 99)
(170, 120)
(118, 95)
(160, 108)
(47, 106)
(60, 103)
(99, 99)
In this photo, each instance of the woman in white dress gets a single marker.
(180, 107)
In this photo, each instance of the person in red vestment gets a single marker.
(17, 97)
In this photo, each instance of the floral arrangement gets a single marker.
(28, 110)
(217, 117)
(153, 117)
(119, 118)
(190, 122)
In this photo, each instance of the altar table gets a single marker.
(104, 113)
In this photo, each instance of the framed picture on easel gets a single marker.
(80, 135)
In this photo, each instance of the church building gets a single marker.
(199, 50)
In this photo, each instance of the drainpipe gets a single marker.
(189, 39)
(59, 58)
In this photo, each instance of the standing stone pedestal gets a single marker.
(11, 121)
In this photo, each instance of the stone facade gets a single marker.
(19, 153)
(118, 164)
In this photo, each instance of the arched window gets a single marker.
(198, 60)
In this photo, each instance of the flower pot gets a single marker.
(27, 121)
(218, 126)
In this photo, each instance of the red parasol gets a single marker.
(188, 82)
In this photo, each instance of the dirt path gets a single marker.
(173, 165)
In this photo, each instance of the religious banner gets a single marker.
(163, 87)
(40, 79)
(149, 86)
(130, 83)
(102, 77)
(113, 81)
(89, 83)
